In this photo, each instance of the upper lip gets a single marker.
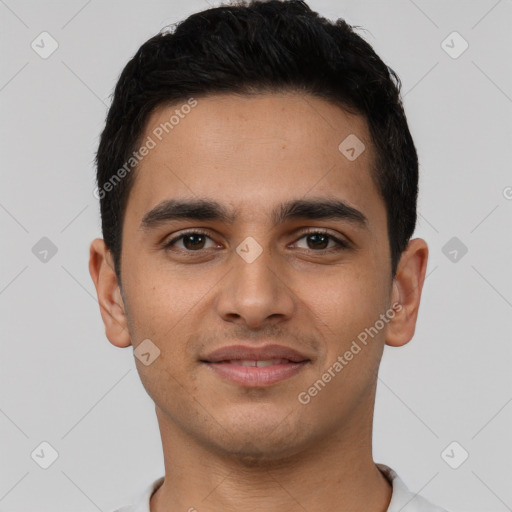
(249, 353)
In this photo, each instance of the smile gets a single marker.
(256, 373)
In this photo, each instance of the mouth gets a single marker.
(256, 373)
(255, 366)
(250, 362)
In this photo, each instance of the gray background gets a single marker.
(62, 381)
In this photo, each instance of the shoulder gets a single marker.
(142, 501)
(402, 498)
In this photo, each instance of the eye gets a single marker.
(192, 241)
(320, 241)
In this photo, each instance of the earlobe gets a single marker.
(110, 300)
(406, 293)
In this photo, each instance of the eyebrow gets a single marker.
(209, 210)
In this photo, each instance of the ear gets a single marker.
(112, 308)
(406, 293)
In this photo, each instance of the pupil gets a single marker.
(318, 240)
(316, 236)
(194, 244)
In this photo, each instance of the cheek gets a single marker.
(350, 292)
(347, 304)
(163, 308)
(166, 304)
(157, 297)
(159, 310)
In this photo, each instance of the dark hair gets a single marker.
(251, 48)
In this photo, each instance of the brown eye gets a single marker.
(196, 241)
(192, 241)
(319, 241)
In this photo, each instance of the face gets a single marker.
(302, 279)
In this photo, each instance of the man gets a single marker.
(258, 186)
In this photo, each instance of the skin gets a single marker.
(227, 447)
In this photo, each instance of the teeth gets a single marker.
(269, 362)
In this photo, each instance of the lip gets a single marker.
(223, 362)
(255, 376)
(245, 352)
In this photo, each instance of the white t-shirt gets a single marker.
(402, 500)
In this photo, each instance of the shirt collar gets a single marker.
(402, 499)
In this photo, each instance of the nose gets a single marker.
(256, 291)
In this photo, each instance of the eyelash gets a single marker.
(341, 244)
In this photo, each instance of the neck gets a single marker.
(336, 473)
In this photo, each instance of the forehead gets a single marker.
(250, 152)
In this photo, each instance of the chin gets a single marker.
(259, 443)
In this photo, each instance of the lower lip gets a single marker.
(256, 376)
